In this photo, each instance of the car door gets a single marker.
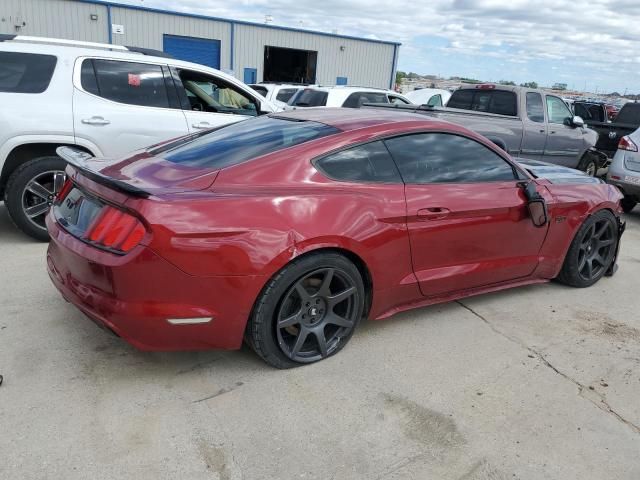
(121, 106)
(466, 214)
(564, 140)
(209, 101)
(534, 137)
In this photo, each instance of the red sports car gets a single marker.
(288, 229)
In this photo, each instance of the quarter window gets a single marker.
(285, 94)
(535, 109)
(25, 72)
(557, 111)
(365, 163)
(445, 158)
(125, 82)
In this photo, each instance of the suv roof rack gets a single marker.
(78, 43)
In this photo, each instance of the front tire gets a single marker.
(308, 311)
(589, 165)
(30, 191)
(592, 251)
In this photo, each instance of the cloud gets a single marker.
(541, 34)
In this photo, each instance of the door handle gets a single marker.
(552, 132)
(202, 125)
(433, 213)
(95, 121)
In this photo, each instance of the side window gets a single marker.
(209, 94)
(25, 72)
(435, 100)
(397, 100)
(461, 99)
(126, 82)
(285, 94)
(557, 110)
(535, 109)
(365, 163)
(260, 89)
(357, 99)
(445, 158)
(307, 97)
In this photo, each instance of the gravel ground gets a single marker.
(538, 382)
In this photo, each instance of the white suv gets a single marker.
(344, 96)
(277, 93)
(105, 99)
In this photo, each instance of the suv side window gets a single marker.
(307, 97)
(131, 83)
(205, 93)
(397, 100)
(435, 100)
(557, 111)
(367, 163)
(25, 72)
(446, 158)
(356, 99)
(285, 94)
(535, 109)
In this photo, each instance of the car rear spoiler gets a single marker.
(79, 159)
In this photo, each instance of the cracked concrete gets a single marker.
(537, 382)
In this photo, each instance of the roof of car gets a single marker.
(354, 118)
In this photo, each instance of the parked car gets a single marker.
(290, 228)
(590, 112)
(624, 171)
(434, 97)
(277, 93)
(525, 122)
(105, 99)
(610, 133)
(344, 96)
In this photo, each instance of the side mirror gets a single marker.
(536, 205)
(538, 212)
(577, 121)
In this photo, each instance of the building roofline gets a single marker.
(231, 21)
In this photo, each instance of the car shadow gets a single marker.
(9, 233)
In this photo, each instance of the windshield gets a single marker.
(243, 141)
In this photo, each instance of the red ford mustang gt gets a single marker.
(287, 229)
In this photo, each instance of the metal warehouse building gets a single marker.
(253, 52)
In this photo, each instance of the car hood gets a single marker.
(556, 173)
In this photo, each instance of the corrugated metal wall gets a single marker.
(145, 29)
(54, 18)
(361, 62)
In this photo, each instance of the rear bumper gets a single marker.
(147, 301)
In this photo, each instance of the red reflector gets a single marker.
(615, 177)
(64, 191)
(116, 230)
(627, 144)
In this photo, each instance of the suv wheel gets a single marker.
(30, 192)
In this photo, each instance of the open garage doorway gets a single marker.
(289, 65)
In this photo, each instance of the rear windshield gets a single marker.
(629, 113)
(25, 72)
(309, 98)
(501, 102)
(243, 141)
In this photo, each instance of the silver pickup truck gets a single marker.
(524, 122)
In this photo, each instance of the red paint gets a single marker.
(213, 239)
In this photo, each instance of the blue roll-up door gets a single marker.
(204, 51)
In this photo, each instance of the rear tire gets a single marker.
(308, 311)
(628, 203)
(592, 251)
(589, 165)
(29, 194)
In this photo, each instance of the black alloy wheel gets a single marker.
(315, 314)
(308, 311)
(592, 251)
(596, 249)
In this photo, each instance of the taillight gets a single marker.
(115, 230)
(627, 144)
(64, 191)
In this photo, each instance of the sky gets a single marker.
(593, 48)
